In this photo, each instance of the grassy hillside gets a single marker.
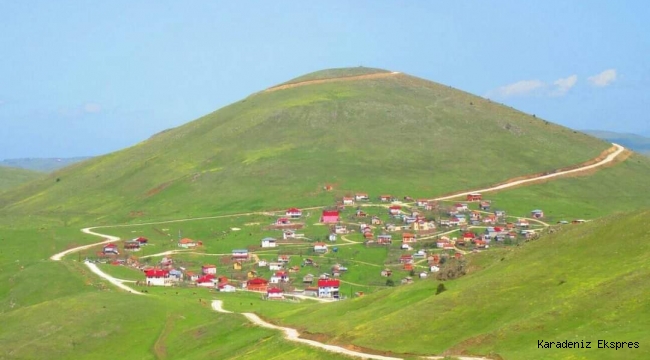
(396, 134)
(585, 282)
(635, 142)
(336, 73)
(12, 177)
(42, 164)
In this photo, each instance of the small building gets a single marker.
(274, 266)
(537, 214)
(522, 223)
(237, 265)
(241, 254)
(385, 198)
(206, 281)
(408, 238)
(328, 288)
(282, 221)
(257, 284)
(361, 197)
(226, 288)
(330, 217)
(500, 213)
(308, 279)
(394, 210)
(132, 245)
(274, 294)
(384, 239)
(422, 202)
(311, 291)
(110, 249)
(474, 197)
(284, 258)
(142, 240)
(293, 213)
(405, 259)
(423, 275)
(332, 237)
(386, 272)
(288, 234)
(269, 242)
(348, 200)
(186, 243)
(320, 247)
(484, 205)
(209, 269)
(157, 277)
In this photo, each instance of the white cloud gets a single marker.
(604, 78)
(92, 108)
(563, 85)
(520, 88)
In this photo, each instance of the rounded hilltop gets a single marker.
(336, 73)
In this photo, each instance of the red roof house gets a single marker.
(330, 217)
(257, 284)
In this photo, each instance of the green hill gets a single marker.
(12, 177)
(634, 142)
(584, 282)
(42, 164)
(395, 133)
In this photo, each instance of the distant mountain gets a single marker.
(42, 164)
(11, 177)
(638, 143)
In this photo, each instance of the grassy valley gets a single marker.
(387, 134)
(13, 177)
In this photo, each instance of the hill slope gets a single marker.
(42, 164)
(12, 177)
(635, 142)
(396, 134)
(585, 282)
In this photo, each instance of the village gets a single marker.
(355, 246)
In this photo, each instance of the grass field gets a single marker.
(12, 177)
(399, 135)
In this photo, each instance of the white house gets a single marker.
(348, 201)
(274, 266)
(328, 288)
(293, 213)
(157, 277)
(269, 242)
(320, 247)
(332, 237)
(274, 294)
(361, 197)
(227, 288)
(209, 269)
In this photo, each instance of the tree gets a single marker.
(390, 282)
(441, 287)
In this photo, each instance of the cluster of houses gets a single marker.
(131, 245)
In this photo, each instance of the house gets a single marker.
(441, 243)
(282, 221)
(386, 272)
(409, 219)
(191, 276)
(428, 206)
(423, 275)
(537, 214)
(309, 262)
(480, 244)
(226, 288)
(348, 200)
(262, 263)
(361, 197)
(142, 240)
(282, 275)
(311, 291)
(340, 229)
(110, 249)
(288, 234)
(330, 217)
(460, 207)
(209, 269)
(408, 266)
(422, 202)
(385, 198)
(484, 205)
(251, 274)
(284, 258)
(454, 221)
(274, 266)
(384, 239)
(237, 265)
(404, 259)
(308, 279)
(474, 197)
(490, 219)
(328, 288)
(468, 236)
(434, 268)
(320, 247)
(523, 223)
(240, 254)
(257, 284)
(166, 261)
(132, 245)
(293, 213)
(406, 247)
(408, 238)
(206, 281)
(375, 220)
(332, 237)
(157, 277)
(445, 222)
(361, 213)
(328, 187)
(368, 235)
(274, 294)
(187, 243)
(269, 242)
(407, 280)
(500, 213)
(394, 210)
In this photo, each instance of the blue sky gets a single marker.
(89, 77)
